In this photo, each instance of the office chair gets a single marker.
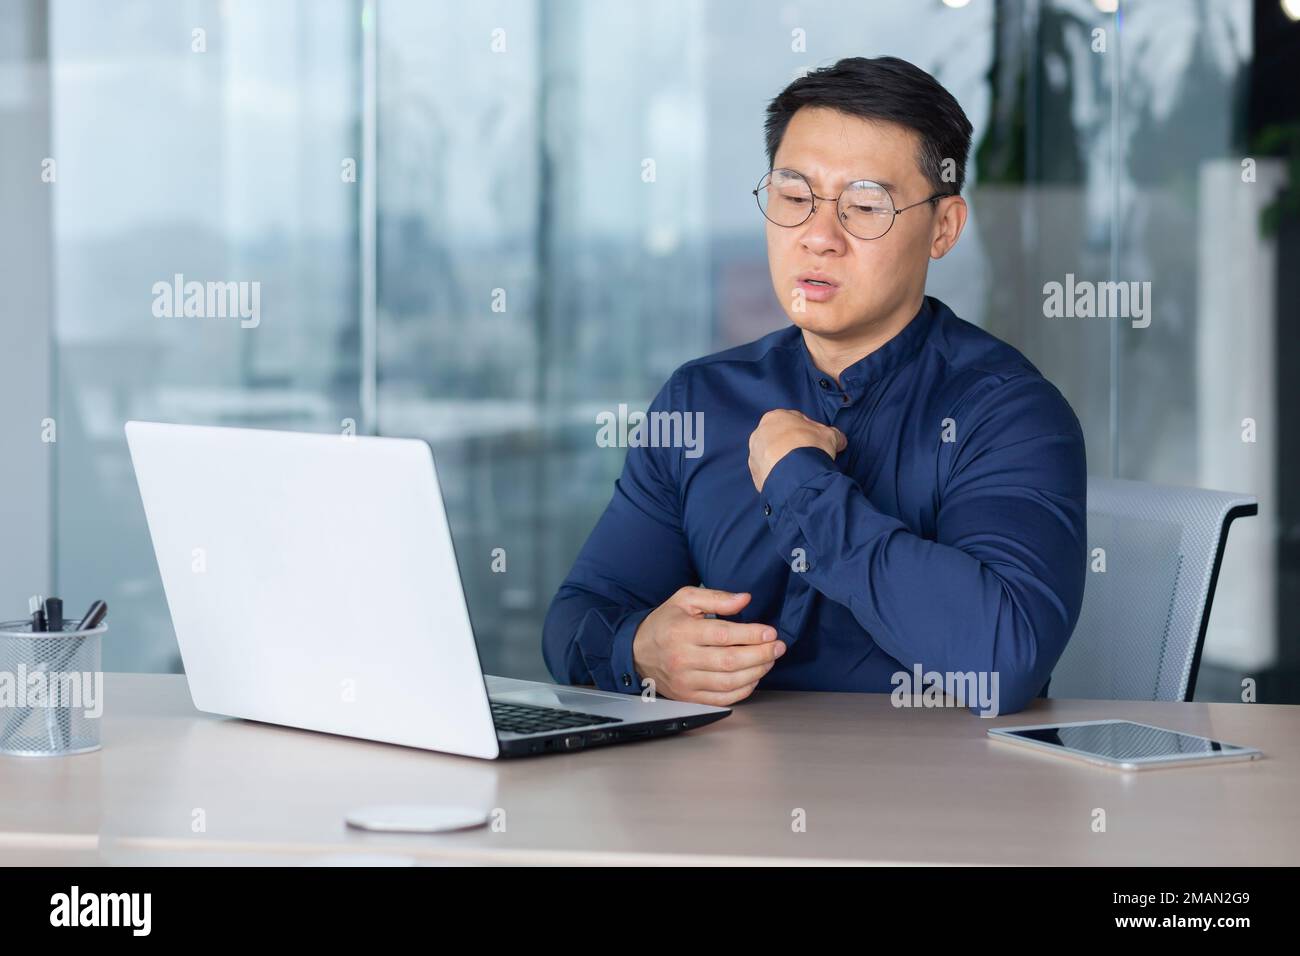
(1143, 620)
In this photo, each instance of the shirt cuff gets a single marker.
(792, 472)
(623, 670)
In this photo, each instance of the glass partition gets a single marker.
(563, 215)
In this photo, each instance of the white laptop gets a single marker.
(313, 583)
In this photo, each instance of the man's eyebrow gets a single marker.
(889, 187)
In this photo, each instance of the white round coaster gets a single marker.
(416, 818)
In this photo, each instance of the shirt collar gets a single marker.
(858, 378)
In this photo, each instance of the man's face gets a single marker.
(875, 278)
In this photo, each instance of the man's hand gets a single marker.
(703, 660)
(780, 432)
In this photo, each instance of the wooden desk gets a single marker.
(876, 784)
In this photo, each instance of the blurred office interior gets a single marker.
(500, 269)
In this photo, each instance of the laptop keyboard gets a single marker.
(528, 719)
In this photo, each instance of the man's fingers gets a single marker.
(839, 439)
(836, 439)
(733, 659)
(723, 681)
(716, 633)
(720, 699)
(710, 601)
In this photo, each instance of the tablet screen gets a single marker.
(1123, 740)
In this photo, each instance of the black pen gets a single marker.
(54, 614)
(93, 616)
(35, 604)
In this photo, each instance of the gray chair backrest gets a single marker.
(1143, 620)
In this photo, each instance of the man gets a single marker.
(882, 485)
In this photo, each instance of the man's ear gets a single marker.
(948, 224)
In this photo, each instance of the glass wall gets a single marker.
(563, 215)
(204, 141)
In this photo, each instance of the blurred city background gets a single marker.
(499, 150)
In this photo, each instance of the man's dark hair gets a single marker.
(889, 89)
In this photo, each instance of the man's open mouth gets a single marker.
(817, 279)
(816, 288)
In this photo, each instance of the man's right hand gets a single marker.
(699, 659)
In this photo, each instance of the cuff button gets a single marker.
(627, 680)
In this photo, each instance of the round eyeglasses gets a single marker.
(865, 209)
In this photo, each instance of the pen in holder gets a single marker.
(53, 701)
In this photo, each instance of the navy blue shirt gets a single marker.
(949, 534)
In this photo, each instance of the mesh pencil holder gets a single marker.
(50, 689)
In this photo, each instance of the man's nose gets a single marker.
(822, 232)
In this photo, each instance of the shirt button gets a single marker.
(767, 511)
(844, 399)
(823, 383)
(627, 680)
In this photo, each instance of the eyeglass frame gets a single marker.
(812, 211)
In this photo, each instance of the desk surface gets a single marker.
(875, 784)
